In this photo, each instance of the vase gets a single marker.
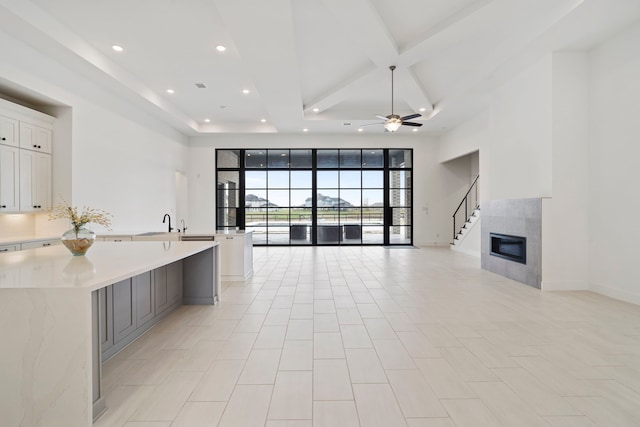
(78, 240)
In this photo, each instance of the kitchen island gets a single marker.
(236, 247)
(52, 318)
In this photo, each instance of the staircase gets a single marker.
(466, 227)
(467, 213)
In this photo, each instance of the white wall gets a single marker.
(464, 139)
(614, 162)
(107, 154)
(565, 214)
(515, 159)
(432, 188)
(537, 148)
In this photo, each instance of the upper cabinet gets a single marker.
(35, 181)
(35, 138)
(25, 159)
(9, 131)
(9, 179)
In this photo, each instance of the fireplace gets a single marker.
(513, 248)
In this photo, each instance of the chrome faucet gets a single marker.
(165, 218)
(184, 226)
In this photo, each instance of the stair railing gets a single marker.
(469, 203)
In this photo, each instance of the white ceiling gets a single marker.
(297, 55)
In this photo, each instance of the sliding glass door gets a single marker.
(316, 197)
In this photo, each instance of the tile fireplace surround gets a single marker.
(515, 217)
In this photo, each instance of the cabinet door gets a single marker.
(9, 179)
(231, 255)
(43, 182)
(9, 131)
(124, 316)
(174, 282)
(161, 292)
(116, 238)
(35, 181)
(40, 244)
(9, 248)
(105, 308)
(145, 309)
(35, 138)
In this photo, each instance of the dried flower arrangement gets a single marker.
(64, 211)
(78, 240)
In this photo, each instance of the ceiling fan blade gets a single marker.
(411, 116)
(382, 117)
(371, 124)
(411, 124)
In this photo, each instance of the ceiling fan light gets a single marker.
(393, 124)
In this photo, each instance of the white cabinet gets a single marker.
(35, 181)
(9, 179)
(114, 238)
(9, 131)
(236, 255)
(25, 174)
(9, 248)
(40, 244)
(35, 138)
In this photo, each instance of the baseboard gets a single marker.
(631, 297)
(465, 251)
(425, 244)
(564, 285)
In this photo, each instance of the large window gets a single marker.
(323, 197)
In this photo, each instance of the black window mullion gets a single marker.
(241, 208)
(386, 221)
(411, 207)
(314, 197)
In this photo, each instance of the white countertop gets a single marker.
(105, 263)
(175, 233)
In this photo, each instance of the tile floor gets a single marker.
(381, 337)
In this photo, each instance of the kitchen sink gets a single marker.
(196, 237)
(156, 236)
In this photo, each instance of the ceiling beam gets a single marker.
(364, 25)
(42, 31)
(265, 42)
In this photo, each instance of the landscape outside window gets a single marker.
(323, 197)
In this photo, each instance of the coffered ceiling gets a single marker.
(320, 65)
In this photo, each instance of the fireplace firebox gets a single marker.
(513, 248)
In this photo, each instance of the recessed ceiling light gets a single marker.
(360, 129)
(263, 120)
(415, 130)
(305, 130)
(315, 110)
(207, 120)
(220, 48)
(171, 91)
(117, 48)
(246, 91)
(423, 109)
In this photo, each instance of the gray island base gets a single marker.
(61, 315)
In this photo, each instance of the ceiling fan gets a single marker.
(392, 122)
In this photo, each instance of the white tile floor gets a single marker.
(381, 337)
